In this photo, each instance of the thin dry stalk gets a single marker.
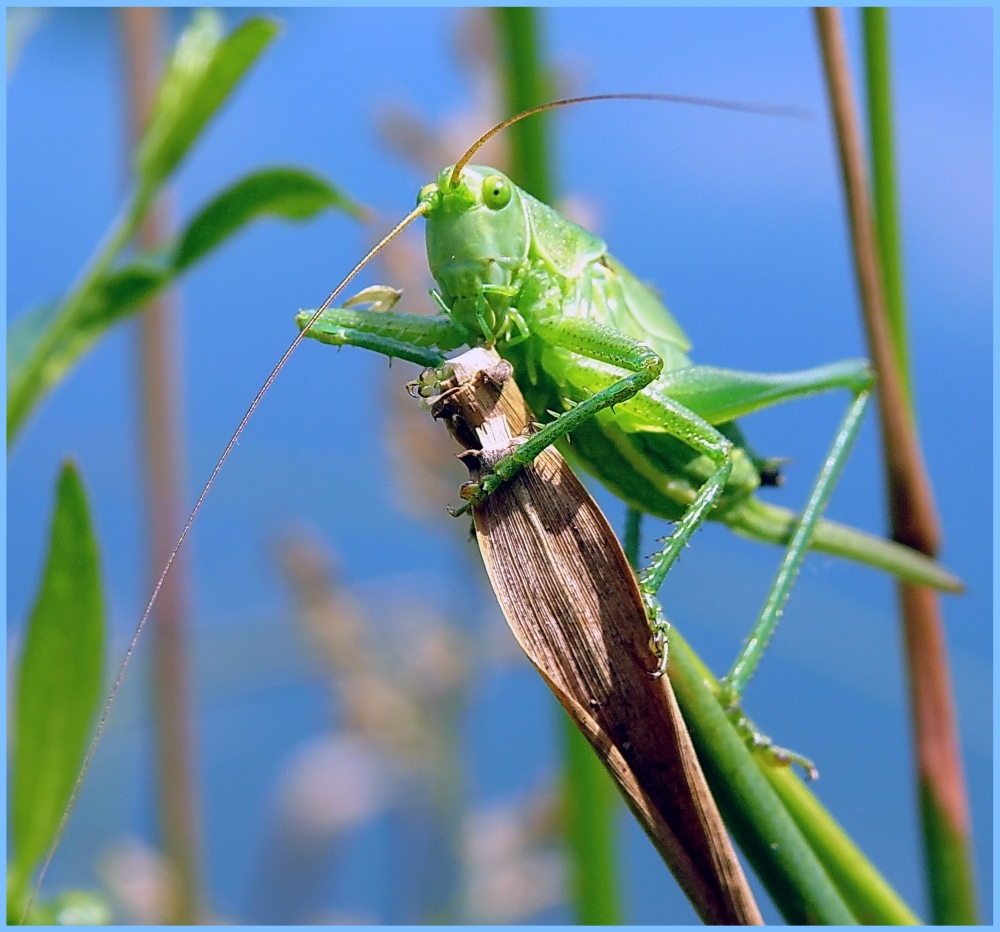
(913, 515)
(158, 375)
(911, 503)
(572, 602)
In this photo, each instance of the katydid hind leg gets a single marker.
(653, 575)
(659, 629)
(732, 685)
(772, 753)
(743, 668)
(720, 395)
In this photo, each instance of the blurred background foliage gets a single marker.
(370, 746)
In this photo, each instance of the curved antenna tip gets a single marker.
(717, 103)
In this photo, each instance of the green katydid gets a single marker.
(596, 349)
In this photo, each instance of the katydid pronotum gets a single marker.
(596, 352)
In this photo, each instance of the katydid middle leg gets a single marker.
(720, 394)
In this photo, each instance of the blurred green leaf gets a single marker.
(201, 74)
(60, 678)
(81, 908)
(42, 913)
(23, 336)
(120, 294)
(35, 362)
(281, 192)
(45, 343)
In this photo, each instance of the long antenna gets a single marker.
(767, 109)
(421, 208)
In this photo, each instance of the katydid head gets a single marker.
(477, 240)
(477, 227)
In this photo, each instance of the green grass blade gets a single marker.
(780, 855)
(880, 129)
(592, 800)
(864, 889)
(590, 803)
(60, 679)
(525, 86)
(949, 864)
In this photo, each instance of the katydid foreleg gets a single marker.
(412, 337)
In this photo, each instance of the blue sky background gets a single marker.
(738, 219)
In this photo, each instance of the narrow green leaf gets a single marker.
(121, 294)
(591, 807)
(765, 831)
(950, 866)
(280, 192)
(202, 73)
(60, 678)
(186, 69)
(866, 892)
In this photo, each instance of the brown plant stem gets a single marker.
(158, 374)
(911, 505)
(913, 518)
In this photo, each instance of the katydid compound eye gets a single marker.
(496, 192)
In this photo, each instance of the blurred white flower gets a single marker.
(141, 881)
(331, 784)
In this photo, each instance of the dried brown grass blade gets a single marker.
(572, 602)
